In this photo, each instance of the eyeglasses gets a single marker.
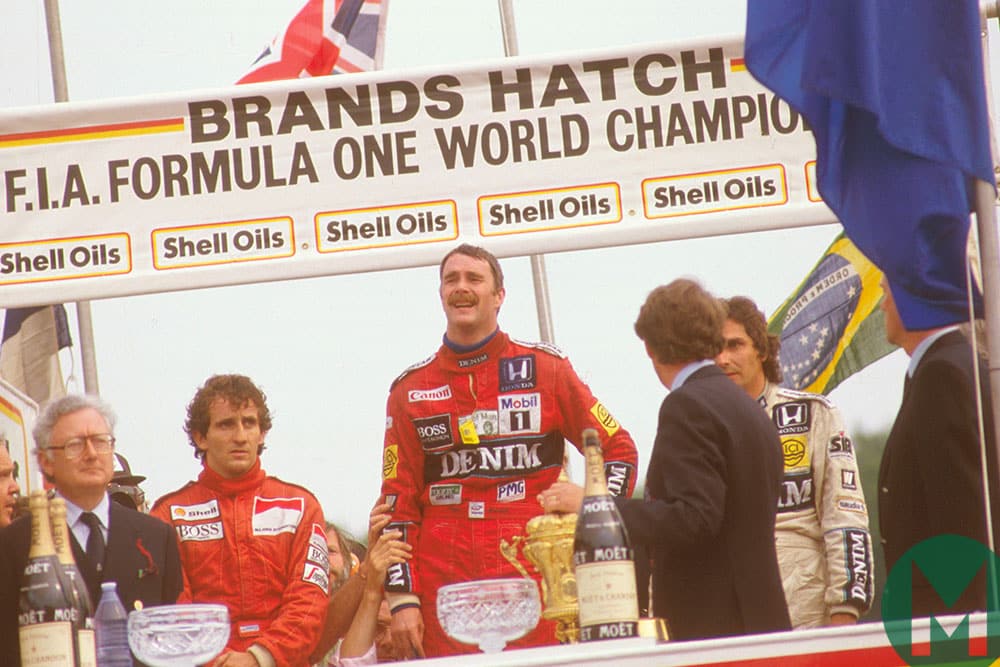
(102, 444)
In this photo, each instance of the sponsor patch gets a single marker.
(249, 629)
(390, 460)
(273, 516)
(477, 510)
(319, 557)
(390, 500)
(511, 491)
(473, 361)
(796, 493)
(520, 413)
(859, 566)
(199, 512)
(467, 430)
(517, 373)
(398, 578)
(848, 480)
(317, 575)
(388, 422)
(795, 453)
(200, 532)
(445, 494)
(841, 445)
(496, 459)
(317, 536)
(850, 505)
(618, 475)
(436, 394)
(608, 423)
(487, 422)
(792, 417)
(434, 432)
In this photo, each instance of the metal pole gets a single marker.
(85, 322)
(538, 275)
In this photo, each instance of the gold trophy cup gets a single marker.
(549, 548)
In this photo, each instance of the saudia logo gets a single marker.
(946, 568)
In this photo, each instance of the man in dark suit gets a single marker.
(712, 483)
(930, 478)
(74, 444)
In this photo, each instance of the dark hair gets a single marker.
(744, 311)
(237, 390)
(681, 322)
(478, 253)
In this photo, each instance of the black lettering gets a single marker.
(208, 121)
(299, 111)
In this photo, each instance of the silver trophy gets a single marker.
(178, 635)
(489, 612)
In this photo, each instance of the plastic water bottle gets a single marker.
(111, 629)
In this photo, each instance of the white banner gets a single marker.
(390, 169)
(17, 417)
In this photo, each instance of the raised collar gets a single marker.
(231, 487)
(471, 357)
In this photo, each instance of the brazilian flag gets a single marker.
(831, 326)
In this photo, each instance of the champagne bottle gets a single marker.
(45, 618)
(73, 583)
(602, 557)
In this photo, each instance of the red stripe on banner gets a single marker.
(136, 126)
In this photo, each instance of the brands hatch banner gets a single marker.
(391, 169)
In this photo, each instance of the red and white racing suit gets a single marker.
(257, 545)
(471, 439)
(821, 529)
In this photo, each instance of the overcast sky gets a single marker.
(325, 350)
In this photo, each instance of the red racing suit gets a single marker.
(471, 439)
(258, 545)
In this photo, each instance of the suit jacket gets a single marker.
(930, 475)
(708, 515)
(141, 557)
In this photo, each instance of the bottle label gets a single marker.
(46, 644)
(88, 651)
(607, 599)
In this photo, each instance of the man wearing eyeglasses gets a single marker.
(74, 443)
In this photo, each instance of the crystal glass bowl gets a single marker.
(178, 634)
(489, 612)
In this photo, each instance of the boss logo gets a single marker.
(434, 432)
(200, 532)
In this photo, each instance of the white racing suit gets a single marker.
(821, 529)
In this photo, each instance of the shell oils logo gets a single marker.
(179, 512)
(794, 452)
(608, 423)
(390, 460)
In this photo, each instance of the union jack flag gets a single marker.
(324, 37)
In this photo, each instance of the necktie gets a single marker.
(95, 541)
